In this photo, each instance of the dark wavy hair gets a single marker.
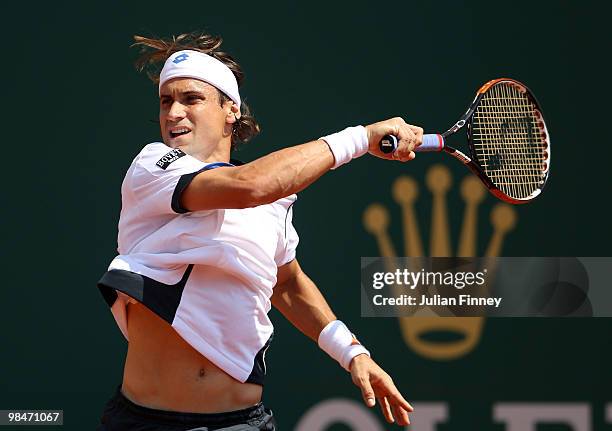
(154, 52)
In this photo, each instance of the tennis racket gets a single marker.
(509, 145)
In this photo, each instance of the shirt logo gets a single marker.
(170, 157)
(180, 58)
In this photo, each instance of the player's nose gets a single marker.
(176, 111)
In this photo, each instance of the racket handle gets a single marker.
(431, 143)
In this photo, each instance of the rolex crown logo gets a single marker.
(418, 331)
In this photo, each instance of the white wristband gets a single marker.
(348, 144)
(338, 342)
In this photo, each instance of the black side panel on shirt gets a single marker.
(287, 216)
(162, 299)
(259, 365)
(182, 184)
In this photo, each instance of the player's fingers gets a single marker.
(401, 415)
(414, 133)
(396, 398)
(406, 145)
(418, 132)
(386, 409)
(404, 156)
(408, 137)
(366, 390)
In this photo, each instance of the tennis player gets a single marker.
(207, 245)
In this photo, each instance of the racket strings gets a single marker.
(508, 142)
(515, 129)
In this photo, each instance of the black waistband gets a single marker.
(225, 419)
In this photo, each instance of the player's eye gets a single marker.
(194, 98)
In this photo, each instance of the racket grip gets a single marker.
(431, 143)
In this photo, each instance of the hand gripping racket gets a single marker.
(507, 138)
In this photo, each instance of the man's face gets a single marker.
(191, 117)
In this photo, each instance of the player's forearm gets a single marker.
(291, 170)
(287, 171)
(301, 302)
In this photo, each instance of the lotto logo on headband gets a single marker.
(179, 58)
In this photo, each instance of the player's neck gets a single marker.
(221, 153)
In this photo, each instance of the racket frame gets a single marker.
(468, 119)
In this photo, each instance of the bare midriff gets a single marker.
(163, 372)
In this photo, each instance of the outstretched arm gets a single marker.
(292, 169)
(301, 302)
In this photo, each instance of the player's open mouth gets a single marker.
(179, 131)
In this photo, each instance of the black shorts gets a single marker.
(120, 414)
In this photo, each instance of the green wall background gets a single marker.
(75, 113)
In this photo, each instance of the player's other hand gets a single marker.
(375, 384)
(409, 137)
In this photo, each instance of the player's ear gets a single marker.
(233, 113)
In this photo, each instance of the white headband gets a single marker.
(197, 65)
